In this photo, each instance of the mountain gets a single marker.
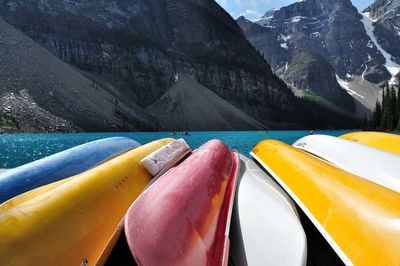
(130, 52)
(313, 74)
(137, 48)
(40, 93)
(324, 32)
(188, 105)
(385, 17)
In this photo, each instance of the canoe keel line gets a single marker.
(266, 228)
(320, 228)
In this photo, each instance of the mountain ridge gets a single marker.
(142, 46)
(336, 31)
(132, 52)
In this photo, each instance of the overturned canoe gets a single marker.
(60, 165)
(71, 222)
(358, 218)
(378, 140)
(266, 229)
(183, 218)
(372, 164)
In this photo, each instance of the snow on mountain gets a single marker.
(362, 48)
(330, 36)
(346, 85)
(390, 65)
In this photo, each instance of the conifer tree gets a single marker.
(376, 116)
(398, 125)
(366, 123)
(394, 113)
(387, 122)
(386, 115)
(385, 109)
(398, 110)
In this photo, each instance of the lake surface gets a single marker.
(19, 149)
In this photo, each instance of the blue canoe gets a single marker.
(60, 165)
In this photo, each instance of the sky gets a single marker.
(252, 9)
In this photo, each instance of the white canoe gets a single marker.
(375, 165)
(265, 229)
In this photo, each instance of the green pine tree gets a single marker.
(377, 116)
(393, 110)
(366, 123)
(398, 110)
(385, 109)
(388, 121)
(398, 125)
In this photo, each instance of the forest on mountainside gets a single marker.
(386, 115)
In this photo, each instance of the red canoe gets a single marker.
(183, 218)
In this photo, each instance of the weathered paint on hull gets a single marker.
(183, 218)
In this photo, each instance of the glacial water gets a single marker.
(19, 149)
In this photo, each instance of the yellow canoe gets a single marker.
(382, 141)
(359, 219)
(71, 222)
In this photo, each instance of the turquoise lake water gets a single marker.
(19, 149)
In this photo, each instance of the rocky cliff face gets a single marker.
(268, 42)
(137, 48)
(313, 74)
(40, 93)
(126, 54)
(334, 30)
(386, 16)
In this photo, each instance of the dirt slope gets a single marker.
(40, 93)
(188, 105)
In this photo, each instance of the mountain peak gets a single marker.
(383, 8)
(310, 9)
(333, 29)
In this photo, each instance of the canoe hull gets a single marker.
(61, 165)
(375, 165)
(383, 141)
(182, 219)
(266, 229)
(75, 220)
(337, 203)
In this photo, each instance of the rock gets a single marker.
(311, 73)
(387, 25)
(27, 78)
(331, 28)
(137, 47)
(132, 51)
